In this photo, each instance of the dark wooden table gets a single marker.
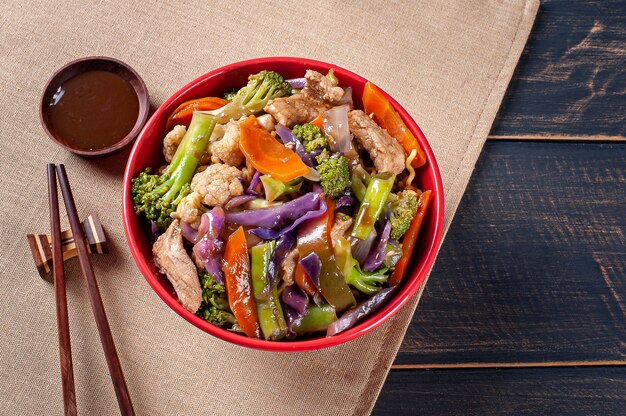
(525, 310)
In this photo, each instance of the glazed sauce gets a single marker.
(94, 110)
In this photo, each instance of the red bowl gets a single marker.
(147, 151)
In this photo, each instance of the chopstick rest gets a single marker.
(41, 245)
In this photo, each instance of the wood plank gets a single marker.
(553, 138)
(542, 364)
(533, 269)
(538, 391)
(571, 78)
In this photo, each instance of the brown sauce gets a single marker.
(93, 110)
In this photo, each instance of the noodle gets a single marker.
(409, 160)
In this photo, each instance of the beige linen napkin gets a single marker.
(447, 62)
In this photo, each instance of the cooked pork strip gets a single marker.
(172, 259)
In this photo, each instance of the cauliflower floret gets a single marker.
(207, 157)
(172, 140)
(190, 209)
(227, 149)
(217, 184)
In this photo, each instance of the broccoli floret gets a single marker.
(230, 95)
(157, 196)
(403, 208)
(214, 307)
(334, 173)
(366, 282)
(251, 99)
(311, 137)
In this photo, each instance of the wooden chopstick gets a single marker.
(65, 349)
(113, 362)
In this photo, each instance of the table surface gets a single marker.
(525, 310)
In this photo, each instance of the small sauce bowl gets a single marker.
(94, 63)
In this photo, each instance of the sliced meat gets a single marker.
(385, 151)
(296, 109)
(317, 96)
(341, 224)
(319, 87)
(288, 267)
(172, 260)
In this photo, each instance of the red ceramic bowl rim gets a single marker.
(411, 283)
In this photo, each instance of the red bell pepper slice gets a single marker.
(236, 267)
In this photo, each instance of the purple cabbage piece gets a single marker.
(297, 83)
(293, 319)
(312, 266)
(288, 137)
(188, 232)
(239, 200)
(209, 247)
(269, 234)
(345, 204)
(283, 245)
(155, 230)
(276, 216)
(315, 153)
(295, 302)
(294, 297)
(256, 178)
(360, 311)
(377, 254)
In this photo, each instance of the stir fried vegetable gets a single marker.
(410, 238)
(317, 318)
(366, 282)
(275, 189)
(373, 204)
(304, 222)
(311, 137)
(313, 237)
(214, 307)
(238, 286)
(267, 155)
(184, 112)
(334, 173)
(269, 311)
(157, 196)
(403, 209)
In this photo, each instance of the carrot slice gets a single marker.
(375, 103)
(318, 122)
(409, 240)
(267, 155)
(184, 112)
(236, 267)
